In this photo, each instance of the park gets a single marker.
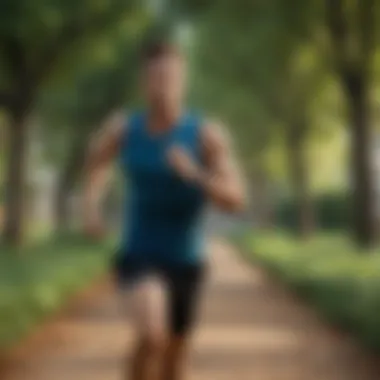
(294, 285)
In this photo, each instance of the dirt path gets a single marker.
(250, 329)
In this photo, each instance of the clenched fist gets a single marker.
(183, 164)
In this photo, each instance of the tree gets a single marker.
(34, 38)
(239, 48)
(96, 94)
(352, 31)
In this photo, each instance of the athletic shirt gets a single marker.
(163, 213)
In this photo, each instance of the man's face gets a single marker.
(164, 80)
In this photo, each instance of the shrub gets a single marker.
(343, 284)
(38, 280)
(332, 212)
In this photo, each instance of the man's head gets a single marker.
(163, 74)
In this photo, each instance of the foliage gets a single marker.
(332, 212)
(261, 87)
(35, 43)
(37, 281)
(342, 283)
(71, 110)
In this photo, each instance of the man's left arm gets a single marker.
(221, 177)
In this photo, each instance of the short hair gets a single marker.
(159, 49)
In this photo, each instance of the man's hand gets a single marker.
(183, 164)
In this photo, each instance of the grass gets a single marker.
(36, 281)
(342, 283)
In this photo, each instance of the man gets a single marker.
(175, 162)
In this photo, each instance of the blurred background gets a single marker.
(297, 83)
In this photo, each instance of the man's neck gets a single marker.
(162, 118)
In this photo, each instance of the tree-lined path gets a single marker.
(249, 329)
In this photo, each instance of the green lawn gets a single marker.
(342, 283)
(36, 281)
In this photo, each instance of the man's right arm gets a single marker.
(103, 148)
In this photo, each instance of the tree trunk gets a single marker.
(364, 224)
(305, 222)
(66, 182)
(15, 175)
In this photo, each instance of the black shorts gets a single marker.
(183, 283)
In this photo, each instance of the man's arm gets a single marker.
(103, 148)
(222, 178)
(220, 175)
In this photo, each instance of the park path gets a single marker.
(250, 328)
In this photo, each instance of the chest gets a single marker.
(145, 158)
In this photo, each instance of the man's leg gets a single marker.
(147, 302)
(184, 289)
(174, 360)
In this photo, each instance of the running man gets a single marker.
(176, 162)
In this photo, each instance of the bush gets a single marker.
(343, 284)
(332, 212)
(37, 281)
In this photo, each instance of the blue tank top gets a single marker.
(163, 214)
